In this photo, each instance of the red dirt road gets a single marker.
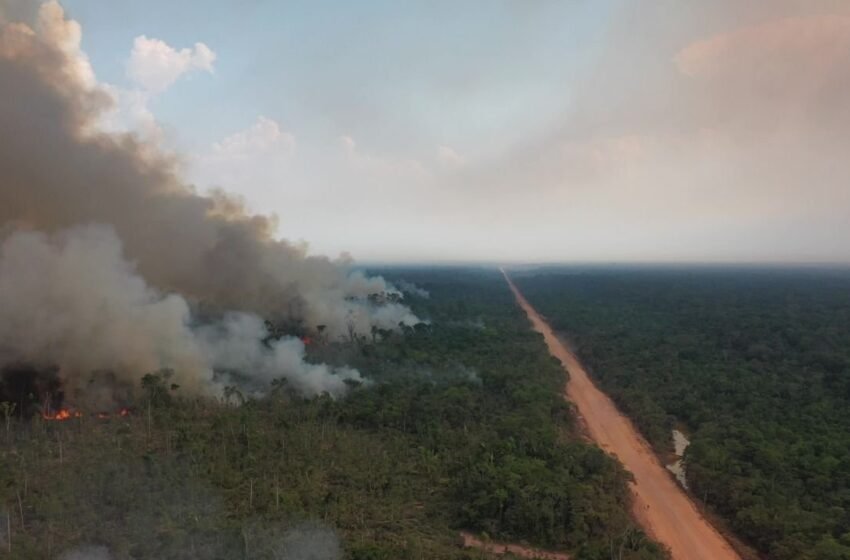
(471, 541)
(660, 505)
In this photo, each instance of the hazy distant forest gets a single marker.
(753, 364)
(462, 426)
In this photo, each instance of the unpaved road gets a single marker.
(471, 541)
(660, 506)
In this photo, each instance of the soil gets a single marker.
(471, 541)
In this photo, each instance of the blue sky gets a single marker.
(426, 72)
(516, 130)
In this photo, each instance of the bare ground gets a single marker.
(491, 547)
(661, 507)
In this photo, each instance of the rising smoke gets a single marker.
(106, 250)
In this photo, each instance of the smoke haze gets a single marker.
(565, 131)
(105, 249)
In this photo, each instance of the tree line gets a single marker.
(461, 426)
(754, 364)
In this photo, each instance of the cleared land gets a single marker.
(499, 549)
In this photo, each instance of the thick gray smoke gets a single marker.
(235, 344)
(410, 288)
(58, 171)
(73, 301)
(71, 297)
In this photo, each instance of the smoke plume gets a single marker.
(105, 249)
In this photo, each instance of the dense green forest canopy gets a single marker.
(753, 363)
(461, 426)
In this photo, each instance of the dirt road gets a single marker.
(498, 549)
(661, 507)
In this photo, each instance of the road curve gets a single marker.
(660, 505)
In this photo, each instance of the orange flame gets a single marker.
(66, 414)
(61, 414)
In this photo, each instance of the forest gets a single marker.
(753, 364)
(460, 426)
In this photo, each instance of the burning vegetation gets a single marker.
(67, 414)
(61, 414)
(462, 427)
(113, 267)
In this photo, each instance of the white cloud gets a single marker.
(155, 65)
(249, 160)
(263, 136)
(787, 76)
(448, 157)
(348, 144)
(813, 44)
(380, 167)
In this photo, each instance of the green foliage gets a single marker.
(156, 388)
(462, 426)
(755, 364)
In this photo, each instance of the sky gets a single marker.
(500, 130)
